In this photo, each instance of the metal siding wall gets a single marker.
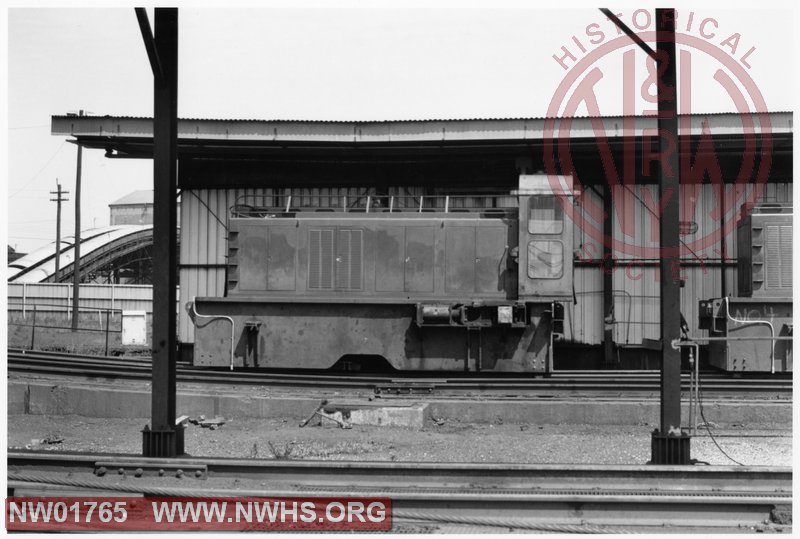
(636, 291)
(58, 297)
(584, 209)
(583, 322)
(639, 288)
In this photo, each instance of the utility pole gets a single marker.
(76, 263)
(58, 200)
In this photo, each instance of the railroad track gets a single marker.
(565, 381)
(518, 496)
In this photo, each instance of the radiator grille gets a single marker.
(786, 256)
(336, 264)
(320, 259)
(778, 262)
(349, 259)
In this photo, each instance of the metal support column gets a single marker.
(163, 438)
(609, 357)
(669, 444)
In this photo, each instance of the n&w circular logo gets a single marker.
(601, 66)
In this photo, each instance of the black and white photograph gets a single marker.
(399, 268)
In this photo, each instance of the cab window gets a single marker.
(545, 259)
(545, 215)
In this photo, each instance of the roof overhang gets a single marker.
(132, 136)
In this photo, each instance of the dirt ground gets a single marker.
(448, 442)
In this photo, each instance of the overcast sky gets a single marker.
(315, 64)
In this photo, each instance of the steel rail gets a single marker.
(528, 494)
(140, 369)
(770, 479)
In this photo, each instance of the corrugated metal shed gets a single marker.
(144, 196)
(636, 310)
(204, 215)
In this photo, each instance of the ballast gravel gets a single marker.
(446, 440)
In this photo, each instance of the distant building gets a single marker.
(133, 209)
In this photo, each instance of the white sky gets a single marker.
(315, 64)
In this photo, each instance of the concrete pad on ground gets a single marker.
(93, 400)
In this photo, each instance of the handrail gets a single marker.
(267, 206)
(750, 323)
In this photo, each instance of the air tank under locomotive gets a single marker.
(426, 283)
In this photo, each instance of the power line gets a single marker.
(18, 191)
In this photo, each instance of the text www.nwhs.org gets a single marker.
(51, 514)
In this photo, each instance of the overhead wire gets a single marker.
(18, 191)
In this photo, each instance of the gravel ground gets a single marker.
(449, 442)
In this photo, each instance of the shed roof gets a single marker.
(144, 196)
(400, 131)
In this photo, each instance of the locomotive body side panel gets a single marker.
(436, 287)
(462, 257)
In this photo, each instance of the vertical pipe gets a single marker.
(608, 278)
(108, 316)
(691, 391)
(669, 196)
(33, 328)
(76, 259)
(723, 254)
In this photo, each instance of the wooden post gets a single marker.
(76, 249)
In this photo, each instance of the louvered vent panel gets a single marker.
(356, 259)
(342, 259)
(778, 261)
(773, 258)
(349, 259)
(320, 259)
(785, 263)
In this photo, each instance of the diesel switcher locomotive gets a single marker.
(752, 331)
(422, 283)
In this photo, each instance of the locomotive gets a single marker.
(448, 283)
(742, 326)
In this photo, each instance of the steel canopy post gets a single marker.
(669, 444)
(163, 438)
